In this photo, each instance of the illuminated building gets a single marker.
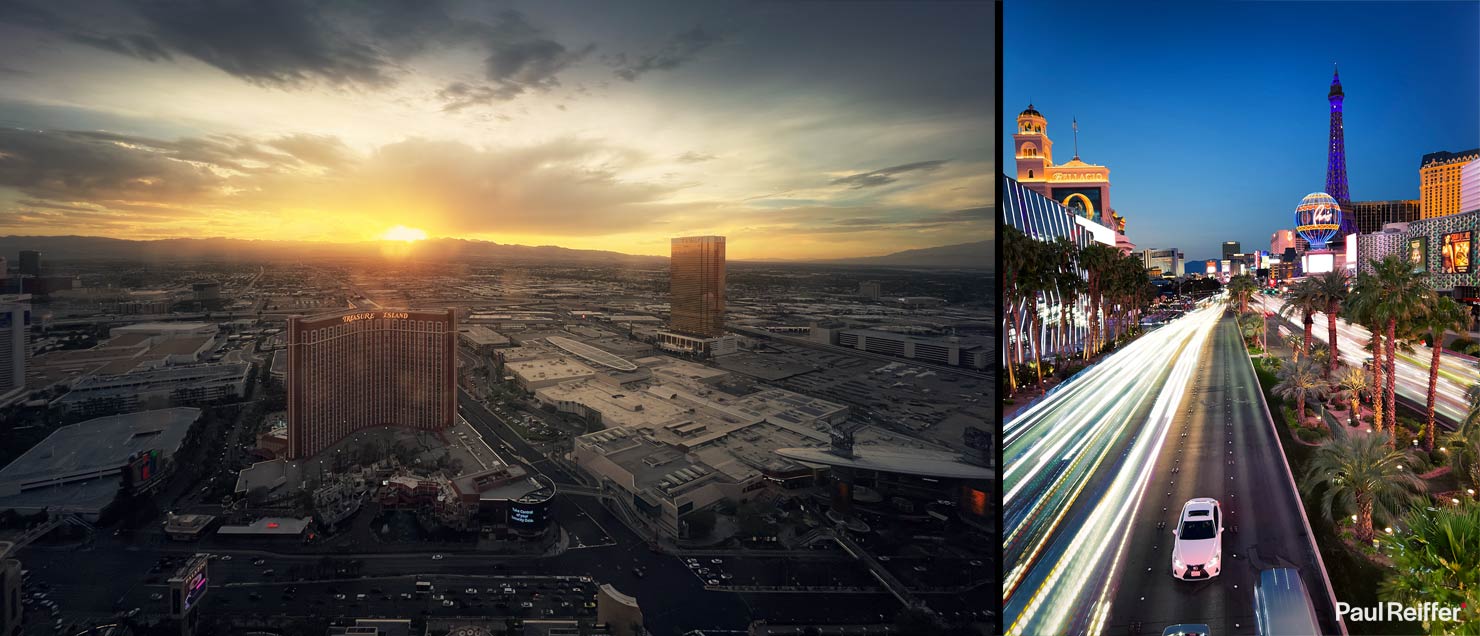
(1469, 189)
(351, 371)
(1444, 247)
(1439, 182)
(1281, 240)
(1167, 263)
(697, 285)
(1079, 186)
(15, 346)
(1043, 219)
(1370, 216)
(1230, 248)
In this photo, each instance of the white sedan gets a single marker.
(1197, 551)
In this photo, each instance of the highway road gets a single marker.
(1075, 464)
(1455, 374)
(1221, 446)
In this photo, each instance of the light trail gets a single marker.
(1077, 464)
(1456, 375)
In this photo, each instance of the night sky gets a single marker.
(799, 130)
(1212, 117)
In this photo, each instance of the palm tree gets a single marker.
(1240, 289)
(1446, 315)
(1404, 298)
(1252, 326)
(1433, 561)
(1360, 308)
(1353, 386)
(1016, 258)
(1320, 354)
(1364, 476)
(1097, 259)
(1068, 281)
(1464, 442)
(1330, 289)
(1295, 343)
(1301, 381)
(1302, 299)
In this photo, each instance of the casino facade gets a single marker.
(358, 370)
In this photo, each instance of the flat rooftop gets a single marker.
(269, 526)
(78, 467)
(904, 461)
(592, 354)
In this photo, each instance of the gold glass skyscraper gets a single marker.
(697, 285)
(1438, 177)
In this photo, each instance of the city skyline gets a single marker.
(1229, 116)
(524, 125)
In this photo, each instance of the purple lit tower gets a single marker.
(1336, 156)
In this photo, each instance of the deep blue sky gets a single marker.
(1212, 117)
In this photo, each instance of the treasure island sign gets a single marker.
(387, 315)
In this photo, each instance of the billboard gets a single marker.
(1418, 253)
(189, 586)
(1454, 254)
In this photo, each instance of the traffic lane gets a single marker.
(1193, 462)
(396, 596)
(1072, 510)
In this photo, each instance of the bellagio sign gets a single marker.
(387, 315)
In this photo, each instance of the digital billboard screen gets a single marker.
(1418, 253)
(1454, 254)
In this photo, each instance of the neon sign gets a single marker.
(386, 315)
(521, 515)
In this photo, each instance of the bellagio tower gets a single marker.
(697, 285)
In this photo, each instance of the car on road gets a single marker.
(716, 561)
(156, 596)
(447, 603)
(471, 590)
(726, 576)
(260, 562)
(225, 557)
(1197, 550)
(526, 605)
(712, 582)
(436, 557)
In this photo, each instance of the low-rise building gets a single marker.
(81, 468)
(187, 385)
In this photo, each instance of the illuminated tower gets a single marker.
(697, 285)
(1336, 153)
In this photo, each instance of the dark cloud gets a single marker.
(76, 166)
(885, 176)
(277, 42)
(290, 43)
(678, 50)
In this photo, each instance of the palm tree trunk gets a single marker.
(1428, 430)
(1364, 518)
(1377, 368)
(1310, 324)
(1392, 373)
(1331, 337)
(1011, 323)
(1300, 406)
(1037, 348)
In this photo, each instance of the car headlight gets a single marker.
(1176, 562)
(1214, 561)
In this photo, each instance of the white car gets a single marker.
(436, 557)
(1197, 551)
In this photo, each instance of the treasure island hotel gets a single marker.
(351, 371)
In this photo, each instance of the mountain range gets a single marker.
(65, 248)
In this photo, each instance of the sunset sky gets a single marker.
(806, 130)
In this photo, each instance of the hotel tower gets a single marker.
(351, 371)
